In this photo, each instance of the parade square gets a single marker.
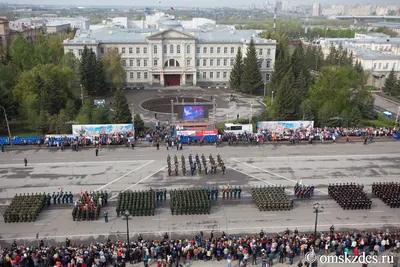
(122, 169)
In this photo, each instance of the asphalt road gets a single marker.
(385, 105)
(121, 169)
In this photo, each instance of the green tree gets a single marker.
(100, 83)
(390, 83)
(139, 123)
(115, 73)
(369, 112)
(100, 115)
(251, 79)
(299, 86)
(87, 70)
(85, 113)
(285, 105)
(333, 57)
(306, 110)
(235, 77)
(120, 112)
(22, 53)
(281, 66)
(358, 67)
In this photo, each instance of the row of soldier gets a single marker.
(161, 194)
(350, 196)
(60, 198)
(303, 191)
(388, 192)
(230, 192)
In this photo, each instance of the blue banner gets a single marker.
(96, 129)
(281, 126)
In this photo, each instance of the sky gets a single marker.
(188, 3)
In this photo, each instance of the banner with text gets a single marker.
(96, 129)
(282, 126)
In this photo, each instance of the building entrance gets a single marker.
(172, 80)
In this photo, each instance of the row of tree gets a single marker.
(41, 85)
(245, 75)
(331, 91)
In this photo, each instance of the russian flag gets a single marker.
(172, 9)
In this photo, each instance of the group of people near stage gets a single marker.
(252, 249)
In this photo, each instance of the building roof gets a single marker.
(371, 55)
(56, 23)
(372, 40)
(118, 35)
(374, 34)
(390, 25)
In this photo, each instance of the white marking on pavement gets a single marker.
(274, 174)
(159, 219)
(262, 180)
(246, 229)
(376, 211)
(126, 174)
(73, 163)
(324, 156)
(41, 224)
(144, 179)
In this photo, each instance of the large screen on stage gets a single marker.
(193, 112)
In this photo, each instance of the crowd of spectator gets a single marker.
(261, 248)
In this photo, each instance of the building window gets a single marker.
(144, 50)
(131, 62)
(144, 62)
(131, 75)
(225, 50)
(80, 52)
(204, 50)
(165, 49)
(211, 62)
(130, 50)
(116, 49)
(232, 61)
(267, 77)
(188, 49)
(155, 62)
(178, 49)
(155, 49)
(198, 50)
(225, 62)
(268, 63)
(218, 50)
(204, 75)
(198, 63)
(387, 66)
(218, 62)
(224, 75)
(137, 50)
(124, 63)
(187, 62)
(138, 75)
(218, 74)
(171, 49)
(145, 75)
(138, 62)
(211, 50)
(123, 50)
(268, 52)
(260, 52)
(211, 75)
(374, 65)
(101, 50)
(204, 62)
(198, 75)
(172, 63)
(232, 50)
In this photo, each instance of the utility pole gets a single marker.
(133, 114)
(8, 125)
(272, 98)
(265, 88)
(317, 209)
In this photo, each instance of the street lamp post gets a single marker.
(172, 111)
(397, 116)
(272, 98)
(251, 113)
(133, 114)
(82, 94)
(127, 232)
(265, 88)
(317, 209)
(8, 125)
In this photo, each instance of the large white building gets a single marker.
(378, 56)
(316, 9)
(171, 55)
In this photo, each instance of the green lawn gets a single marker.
(381, 121)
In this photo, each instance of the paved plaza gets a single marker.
(119, 169)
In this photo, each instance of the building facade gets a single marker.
(173, 56)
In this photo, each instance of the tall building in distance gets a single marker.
(278, 6)
(316, 9)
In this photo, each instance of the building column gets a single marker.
(150, 77)
(195, 79)
(183, 79)
(161, 79)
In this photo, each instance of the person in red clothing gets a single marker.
(356, 251)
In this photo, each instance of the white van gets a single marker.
(238, 128)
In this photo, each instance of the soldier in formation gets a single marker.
(350, 196)
(303, 191)
(183, 165)
(169, 165)
(138, 203)
(204, 161)
(271, 198)
(87, 207)
(161, 194)
(198, 163)
(176, 165)
(24, 208)
(388, 192)
(190, 201)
